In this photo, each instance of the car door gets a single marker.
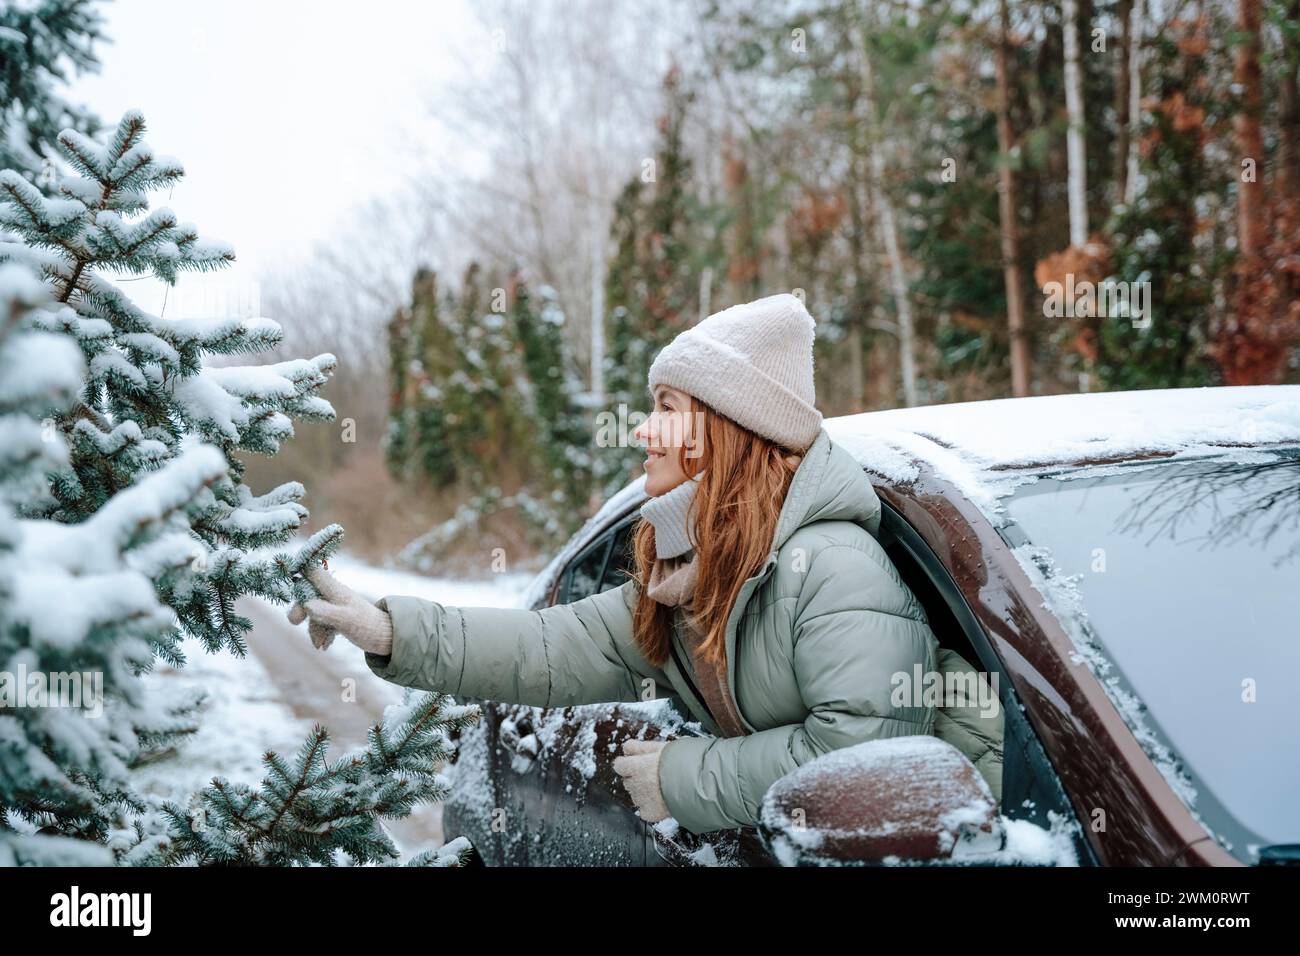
(602, 807)
(535, 786)
(606, 563)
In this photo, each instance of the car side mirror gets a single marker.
(900, 799)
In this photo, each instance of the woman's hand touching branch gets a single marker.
(340, 610)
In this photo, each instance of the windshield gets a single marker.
(1189, 577)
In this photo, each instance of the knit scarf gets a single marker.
(672, 583)
(672, 577)
(667, 513)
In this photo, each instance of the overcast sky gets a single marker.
(285, 113)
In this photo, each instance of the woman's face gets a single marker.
(669, 427)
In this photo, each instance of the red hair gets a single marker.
(734, 514)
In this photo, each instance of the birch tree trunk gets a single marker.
(1078, 170)
(596, 226)
(888, 225)
(1122, 79)
(1007, 206)
(1134, 102)
(706, 293)
(858, 319)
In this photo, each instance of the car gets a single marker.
(1122, 565)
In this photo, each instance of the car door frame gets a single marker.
(525, 781)
(544, 803)
(1031, 788)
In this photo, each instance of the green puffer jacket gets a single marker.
(814, 642)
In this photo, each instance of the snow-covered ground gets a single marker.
(503, 590)
(270, 699)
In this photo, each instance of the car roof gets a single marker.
(973, 443)
(1063, 428)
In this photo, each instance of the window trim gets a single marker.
(604, 542)
(605, 539)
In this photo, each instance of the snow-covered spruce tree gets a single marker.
(313, 809)
(554, 403)
(651, 286)
(483, 373)
(125, 526)
(429, 407)
(43, 42)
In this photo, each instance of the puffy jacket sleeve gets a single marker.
(855, 626)
(579, 653)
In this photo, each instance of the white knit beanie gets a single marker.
(752, 363)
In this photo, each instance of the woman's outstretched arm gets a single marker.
(579, 653)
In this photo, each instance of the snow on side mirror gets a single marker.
(903, 799)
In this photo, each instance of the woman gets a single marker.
(760, 595)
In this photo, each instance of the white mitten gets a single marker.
(340, 610)
(639, 768)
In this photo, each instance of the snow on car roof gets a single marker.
(975, 444)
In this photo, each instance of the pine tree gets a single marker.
(562, 434)
(453, 364)
(314, 809)
(482, 410)
(39, 42)
(651, 288)
(420, 347)
(953, 230)
(125, 526)
(1158, 238)
(485, 402)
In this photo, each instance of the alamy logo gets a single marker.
(959, 688)
(82, 690)
(616, 429)
(1108, 299)
(103, 909)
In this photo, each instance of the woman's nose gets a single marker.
(643, 431)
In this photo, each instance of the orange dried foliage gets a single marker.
(1182, 115)
(1195, 39)
(1252, 346)
(816, 216)
(742, 269)
(735, 173)
(1091, 263)
(972, 323)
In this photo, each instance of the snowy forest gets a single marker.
(924, 174)
(943, 182)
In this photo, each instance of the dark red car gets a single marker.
(1124, 566)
